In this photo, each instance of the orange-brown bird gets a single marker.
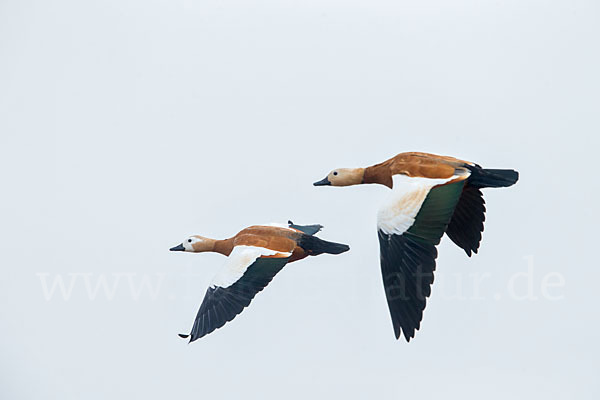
(431, 195)
(255, 255)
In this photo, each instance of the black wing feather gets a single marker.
(221, 305)
(408, 260)
(466, 225)
(407, 265)
(307, 229)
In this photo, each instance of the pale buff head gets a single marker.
(195, 244)
(343, 177)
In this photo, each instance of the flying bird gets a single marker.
(255, 255)
(431, 195)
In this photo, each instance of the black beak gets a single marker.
(178, 248)
(323, 182)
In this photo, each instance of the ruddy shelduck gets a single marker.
(255, 255)
(431, 195)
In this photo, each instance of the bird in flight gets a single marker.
(430, 195)
(255, 255)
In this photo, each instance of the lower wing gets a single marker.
(248, 270)
(409, 227)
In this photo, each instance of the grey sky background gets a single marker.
(128, 125)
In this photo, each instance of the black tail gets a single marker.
(316, 246)
(493, 178)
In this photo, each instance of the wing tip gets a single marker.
(190, 336)
(404, 333)
(409, 336)
(307, 229)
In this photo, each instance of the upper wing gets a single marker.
(410, 226)
(307, 229)
(466, 224)
(247, 271)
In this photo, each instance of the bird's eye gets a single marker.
(189, 240)
(335, 172)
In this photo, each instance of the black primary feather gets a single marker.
(308, 229)
(221, 305)
(408, 260)
(466, 225)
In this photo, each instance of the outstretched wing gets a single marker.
(307, 229)
(247, 271)
(466, 225)
(410, 226)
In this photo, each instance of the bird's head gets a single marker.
(343, 177)
(195, 244)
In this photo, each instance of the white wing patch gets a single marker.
(398, 212)
(238, 262)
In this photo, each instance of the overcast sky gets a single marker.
(127, 125)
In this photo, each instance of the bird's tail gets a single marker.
(494, 178)
(316, 246)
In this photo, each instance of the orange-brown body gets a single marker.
(270, 237)
(413, 164)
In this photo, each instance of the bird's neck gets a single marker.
(224, 246)
(380, 174)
